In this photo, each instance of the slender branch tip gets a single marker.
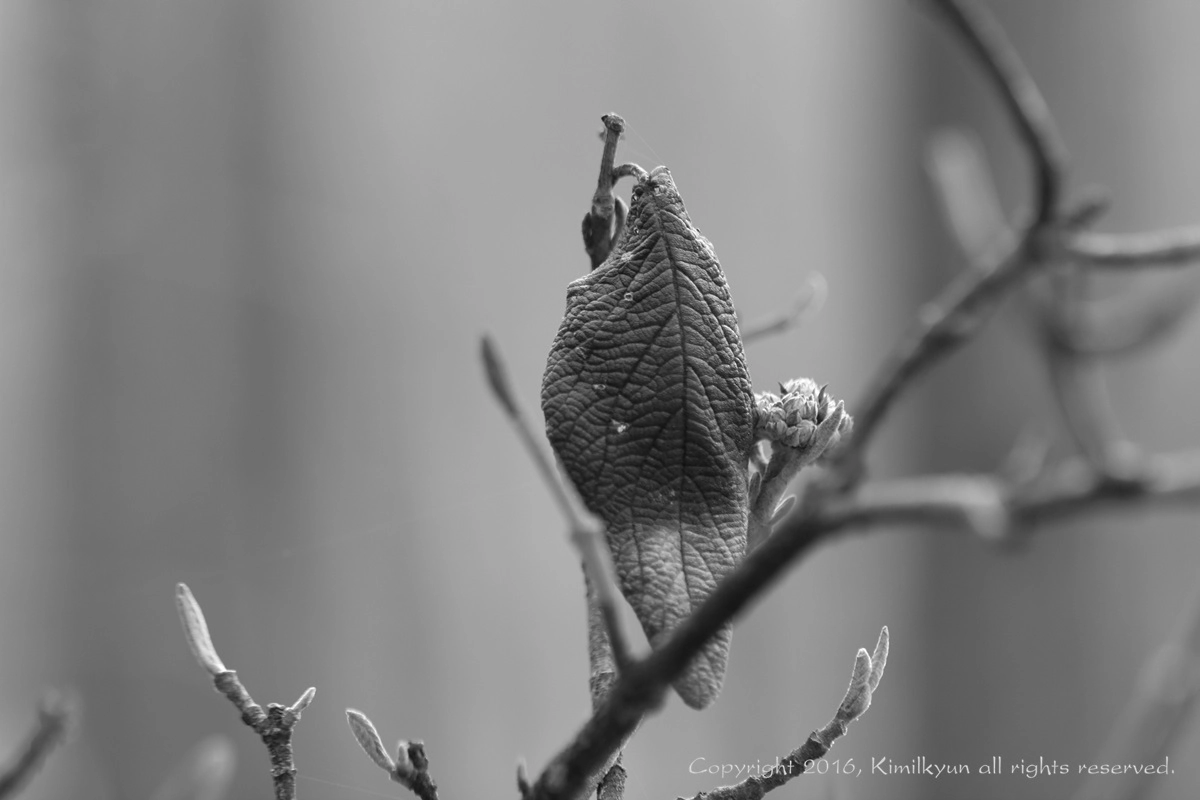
(497, 377)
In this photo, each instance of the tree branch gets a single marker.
(410, 767)
(1173, 247)
(1165, 695)
(56, 716)
(868, 669)
(992, 507)
(1070, 489)
(274, 725)
(807, 303)
(1130, 321)
(599, 231)
(962, 307)
(1098, 327)
(587, 532)
(943, 325)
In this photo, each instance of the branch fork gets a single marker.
(274, 724)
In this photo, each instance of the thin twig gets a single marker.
(992, 507)
(1079, 386)
(970, 204)
(1164, 697)
(599, 233)
(56, 718)
(1070, 489)
(410, 767)
(1020, 94)
(806, 304)
(1086, 407)
(864, 680)
(1173, 247)
(1115, 326)
(609, 780)
(960, 309)
(1130, 321)
(967, 195)
(587, 532)
(1070, 332)
(274, 725)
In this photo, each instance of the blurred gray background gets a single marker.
(247, 249)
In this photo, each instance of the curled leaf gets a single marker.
(648, 405)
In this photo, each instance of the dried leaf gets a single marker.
(648, 406)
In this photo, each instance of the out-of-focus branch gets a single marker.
(868, 669)
(1165, 695)
(1130, 321)
(1174, 247)
(608, 649)
(1074, 487)
(587, 532)
(992, 508)
(968, 197)
(807, 303)
(274, 725)
(1018, 91)
(966, 194)
(956, 314)
(1098, 327)
(56, 715)
(1078, 385)
(610, 778)
(943, 325)
(1068, 489)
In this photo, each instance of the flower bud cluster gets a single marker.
(791, 417)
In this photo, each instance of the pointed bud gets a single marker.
(858, 694)
(304, 701)
(879, 658)
(368, 739)
(783, 510)
(195, 629)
